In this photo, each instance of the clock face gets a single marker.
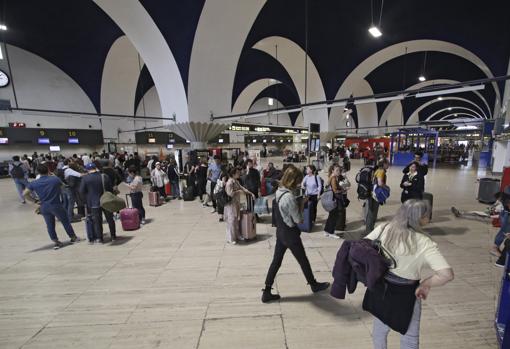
(4, 79)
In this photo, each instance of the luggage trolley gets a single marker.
(502, 322)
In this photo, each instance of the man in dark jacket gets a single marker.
(91, 188)
(252, 178)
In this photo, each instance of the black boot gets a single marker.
(319, 286)
(267, 296)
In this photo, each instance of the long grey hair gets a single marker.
(401, 231)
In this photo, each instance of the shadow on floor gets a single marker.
(446, 230)
(327, 304)
(121, 240)
(50, 247)
(259, 238)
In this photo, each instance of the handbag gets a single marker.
(328, 201)
(109, 201)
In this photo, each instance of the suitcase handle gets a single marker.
(250, 203)
(127, 201)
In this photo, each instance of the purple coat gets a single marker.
(357, 261)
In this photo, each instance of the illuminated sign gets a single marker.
(151, 140)
(17, 124)
(239, 128)
(262, 129)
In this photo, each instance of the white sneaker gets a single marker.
(333, 236)
(213, 210)
(142, 222)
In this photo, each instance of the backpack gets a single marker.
(222, 198)
(322, 184)
(17, 171)
(328, 200)
(365, 180)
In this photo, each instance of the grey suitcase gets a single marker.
(487, 189)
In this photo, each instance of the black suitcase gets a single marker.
(189, 193)
(430, 198)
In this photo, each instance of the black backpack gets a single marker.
(17, 171)
(322, 184)
(365, 180)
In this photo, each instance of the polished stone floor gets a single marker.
(175, 283)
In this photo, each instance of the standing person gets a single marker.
(289, 212)
(232, 210)
(334, 180)
(135, 183)
(213, 174)
(19, 174)
(220, 185)
(371, 205)
(201, 174)
(71, 181)
(158, 178)
(48, 190)
(398, 303)
(91, 188)
(312, 185)
(412, 184)
(422, 169)
(252, 178)
(113, 175)
(173, 177)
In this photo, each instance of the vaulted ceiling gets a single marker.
(77, 35)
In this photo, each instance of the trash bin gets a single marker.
(487, 189)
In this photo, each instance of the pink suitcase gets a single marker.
(129, 217)
(248, 222)
(154, 198)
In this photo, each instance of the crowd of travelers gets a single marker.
(390, 258)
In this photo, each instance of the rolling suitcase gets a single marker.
(168, 189)
(154, 198)
(430, 198)
(248, 221)
(189, 193)
(487, 190)
(129, 218)
(306, 226)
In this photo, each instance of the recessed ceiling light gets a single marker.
(454, 114)
(3, 27)
(270, 101)
(450, 108)
(374, 31)
(439, 98)
(422, 78)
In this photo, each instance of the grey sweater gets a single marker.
(289, 208)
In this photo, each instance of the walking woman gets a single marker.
(232, 210)
(135, 184)
(158, 178)
(337, 183)
(412, 184)
(201, 175)
(312, 184)
(288, 214)
(397, 305)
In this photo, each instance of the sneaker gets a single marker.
(114, 237)
(91, 242)
(319, 286)
(267, 296)
(455, 212)
(142, 222)
(213, 210)
(333, 236)
(74, 239)
(98, 241)
(499, 264)
(57, 245)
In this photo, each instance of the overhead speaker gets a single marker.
(5, 104)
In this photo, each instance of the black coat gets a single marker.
(252, 181)
(415, 191)
(91, 188)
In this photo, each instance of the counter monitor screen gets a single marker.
(73, 140)
(43, 141)
(151, 140)
(169, 146)
(4, 140)
(54, 147)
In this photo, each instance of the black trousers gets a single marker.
(161, 191)
(137, 202)
(97, 222)
(213, 185)
(298, 250)
(312, 204)
(330, 225)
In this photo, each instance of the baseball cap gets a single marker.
(90, 166)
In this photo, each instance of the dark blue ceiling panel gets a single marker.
(257, 65)
(284, 94)
(145, 83)
(73, 35)
(177, 20)
(338, 39)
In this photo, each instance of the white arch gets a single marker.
(394, 51)
(261, 105)
(415, 115)
(138, 25)
(120, 77)
(248, 95)
(288, 50)
(461, 108)
(465, 114)
(219, 39)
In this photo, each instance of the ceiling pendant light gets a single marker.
(3, 27)
(375, 30)
(422, 78)
(270, 101)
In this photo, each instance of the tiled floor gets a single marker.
(176, 284)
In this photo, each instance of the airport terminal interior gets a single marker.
(254, 174)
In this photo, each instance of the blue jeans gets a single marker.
(68, 200)
(175, 189)
(411, 340)
(21, 185)
(49, 212)
(505, 227)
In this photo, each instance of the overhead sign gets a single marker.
(267, 128)
(17, 124)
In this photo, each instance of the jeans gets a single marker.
(371, 209)
(175, 189)
(298, 250)
(69, 201)
(49, 212)
(411, 340)
(137, 202)
(21, 185)
(97, 223)
(312, 204)
(505, 228)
